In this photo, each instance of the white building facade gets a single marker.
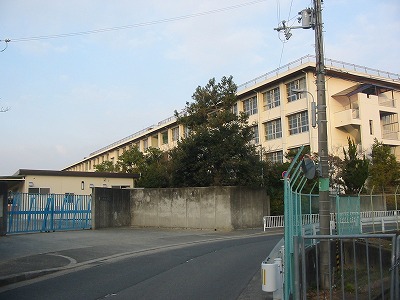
(362, 103)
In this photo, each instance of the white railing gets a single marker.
(273, 222)
(379, 219)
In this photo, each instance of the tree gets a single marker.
(218, 149)
(335, 164)
(354, 169)
(106, 166)
(384, 170)
(152, 165)
(274, 185)
(131, 161)
(155, 169)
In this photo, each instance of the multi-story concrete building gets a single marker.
(362, 103)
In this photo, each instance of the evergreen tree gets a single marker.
(354, 169)
(218, 149)
(384, 170)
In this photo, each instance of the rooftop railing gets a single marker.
(301, 61)
(331, 63)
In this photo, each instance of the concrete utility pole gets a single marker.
(312, 18)
(324, 204)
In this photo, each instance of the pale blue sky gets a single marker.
(71, 96)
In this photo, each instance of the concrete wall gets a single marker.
(222, 208)
(202, 208)
(110, 208)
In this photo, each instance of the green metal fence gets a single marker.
(300, 206)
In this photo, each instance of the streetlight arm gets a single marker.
(313, 106)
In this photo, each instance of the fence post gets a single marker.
(264, 221)
(296, 268)
(395, 201)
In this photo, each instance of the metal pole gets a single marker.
(324, 204)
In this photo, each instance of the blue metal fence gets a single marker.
(48, 212)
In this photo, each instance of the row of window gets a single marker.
(272, 97)
(297, 123)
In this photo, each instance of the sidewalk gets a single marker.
(27, 256)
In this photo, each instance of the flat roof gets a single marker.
(24, 172)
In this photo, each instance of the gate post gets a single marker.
(3, 208)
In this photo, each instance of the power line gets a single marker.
(143, 24)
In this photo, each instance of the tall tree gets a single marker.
(131, 161)
(106, 166)
(155, 169)
(354, 169)
(218, 149)
(384, 170)
(274, 185)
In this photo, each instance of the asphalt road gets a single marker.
(209, 270)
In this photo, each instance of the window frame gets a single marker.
(275, 157)
(175, 134)
(299, 83)
(271, 98)
(256, 134)
(298, 123)
(164, 137)
(250, 106)
(276, 129)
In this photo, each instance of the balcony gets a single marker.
(383, 101)
(347, 117)
(390, 135)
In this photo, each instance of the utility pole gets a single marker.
(312, 18)
(324, 204)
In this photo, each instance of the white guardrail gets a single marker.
(379, 219)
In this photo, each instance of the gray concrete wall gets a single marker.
(110, 208)
(202, 208)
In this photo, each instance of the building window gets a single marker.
(256, 138)
(235, 109)
(42, 191)
(298, 122)
(271, 98)
(275, 157)
(250, 106)
(186, 131)
(371, 127)
(273, 129)
(69, 198)
(175, 134)
(390, 126)
(164, 137)
(299, 84)
(145, 144)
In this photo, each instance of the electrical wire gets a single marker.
(143, 24)
(6, 41)
(290, 9)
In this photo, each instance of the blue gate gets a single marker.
(48, 212)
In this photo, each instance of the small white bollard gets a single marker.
(271, 277)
